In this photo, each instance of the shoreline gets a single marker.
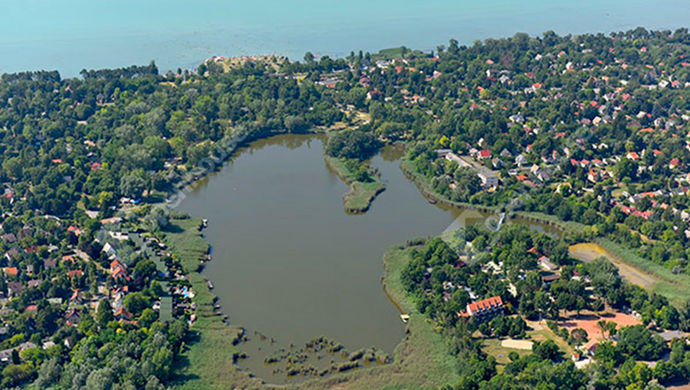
(212, 347)
(435, 198)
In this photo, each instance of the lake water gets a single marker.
(288, 262)
(69, 35)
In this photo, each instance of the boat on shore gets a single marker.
(209, 284)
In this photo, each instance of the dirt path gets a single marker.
(587, 252)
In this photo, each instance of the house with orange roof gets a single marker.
(632, 156)
(74, 229)
(593, 176)
(69, 258)
(10, 271)
(77, 298)
(118, 270)
(485, 309)
(122, 314)
(73, 317)
(116, 263)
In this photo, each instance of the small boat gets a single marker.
(209, 284)
(405, 318)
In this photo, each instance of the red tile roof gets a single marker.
(486, 304)
(10, 271)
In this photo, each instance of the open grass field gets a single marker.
(542, 333)
(361, 194)
(497, 349)
(651, 276)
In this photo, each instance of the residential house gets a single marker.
(544, 175)
(548, 279)
(485, 309)
(488, 178)
(546, 264)
(73, 316)
(33, 283)
(633, 156)
(520, 160)
(14, 288)
(77, 298)
(123, 315)
(10, 271)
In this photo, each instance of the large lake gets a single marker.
(288, 262)
(69, 35)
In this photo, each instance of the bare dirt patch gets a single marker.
(517, 344)
(588, 322)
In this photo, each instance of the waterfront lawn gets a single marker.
(361, 194)
(208, 359)
(420, 361)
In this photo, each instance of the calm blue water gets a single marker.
(69, 35)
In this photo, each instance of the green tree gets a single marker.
(625, 168)
(104, 314)
(638, 342)
(12, 167)
(132, 186)
(135, 303)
